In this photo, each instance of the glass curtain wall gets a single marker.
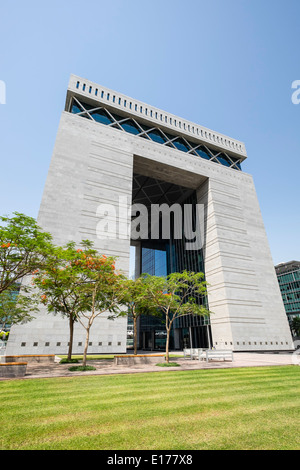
(160, 258)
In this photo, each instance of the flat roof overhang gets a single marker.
(142, 112)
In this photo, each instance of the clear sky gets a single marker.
(225, 64)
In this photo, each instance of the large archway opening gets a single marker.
(163, 246)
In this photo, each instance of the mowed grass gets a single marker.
(240, 408)
(90, 357)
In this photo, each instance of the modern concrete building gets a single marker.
(112, 150)
(288, 275)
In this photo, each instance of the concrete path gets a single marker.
(107, 367)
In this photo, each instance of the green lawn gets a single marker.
(90, 357)
(240, 408)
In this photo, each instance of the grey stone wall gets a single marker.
(92, 164)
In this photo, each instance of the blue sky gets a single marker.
(227, 65)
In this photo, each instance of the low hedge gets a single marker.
(81, 368)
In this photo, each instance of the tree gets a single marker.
(134, 296)
(60, 283)
(102, 291)
(176, 295)
(295, 325)
(24, 247)
(16, 307)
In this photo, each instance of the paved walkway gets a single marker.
(107, 367)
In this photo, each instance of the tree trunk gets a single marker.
(167, 345)
(135, 335)
(71, 325)
(90, 322)
(86, 345)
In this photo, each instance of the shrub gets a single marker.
(81, 368)
(71, 361)
(168, 364)
(4, 335)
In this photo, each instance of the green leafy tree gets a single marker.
(15, 309)
(295, 325)
(134, 296)
(101, 293)
(175, 296)
(24, 247)
(80, 284)
(60, 283)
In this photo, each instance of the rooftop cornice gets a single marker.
(121, 103)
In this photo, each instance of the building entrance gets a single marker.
(162, 256)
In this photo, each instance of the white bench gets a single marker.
(193, 353)
(187, 353)
(216, 354)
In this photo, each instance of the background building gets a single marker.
(111, 148)
(288, 275)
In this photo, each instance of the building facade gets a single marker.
(288, 275)
(113, 151)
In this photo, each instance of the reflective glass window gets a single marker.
(181, 145)
(102, 116)
(202, 153)
(76, 108)
(223, 160)
(131, 127)
(157, 136)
